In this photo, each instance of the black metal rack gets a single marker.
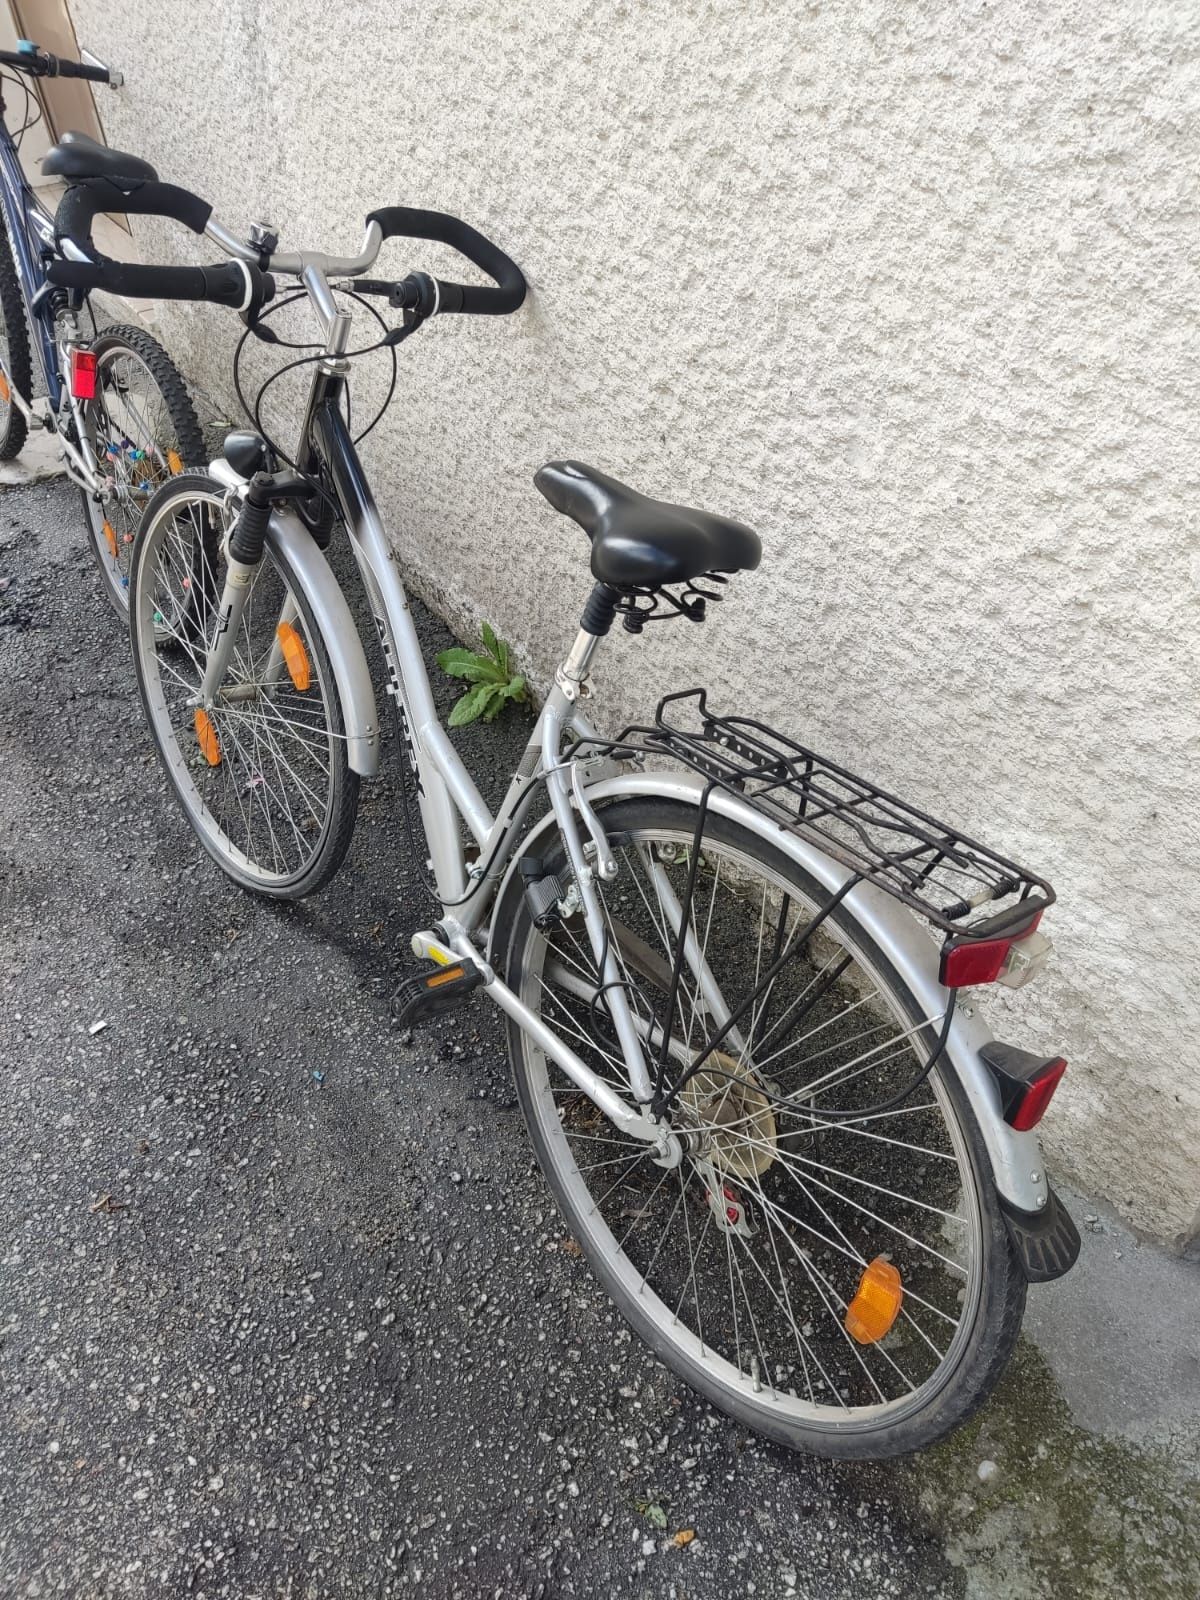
(959, 885)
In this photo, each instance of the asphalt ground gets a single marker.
(285, 1307)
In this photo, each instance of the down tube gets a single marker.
(444, 786)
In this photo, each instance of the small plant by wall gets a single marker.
(492, 684)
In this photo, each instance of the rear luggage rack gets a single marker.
(957, 884)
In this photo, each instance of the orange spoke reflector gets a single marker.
(877, 1303)
(110, 538)
(174, 462)
(5, 391)
(295, 655)
(206, 738)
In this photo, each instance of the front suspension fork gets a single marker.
(246, 545)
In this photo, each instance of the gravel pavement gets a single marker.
(285, 1309)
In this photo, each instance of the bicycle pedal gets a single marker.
(426, 994)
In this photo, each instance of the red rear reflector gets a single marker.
(1031, 1107)
(83, 374)
(966, 961)
(979, 962)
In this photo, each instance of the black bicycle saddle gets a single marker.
(78, 156)
(640, 542)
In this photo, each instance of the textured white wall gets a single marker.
(910, 287)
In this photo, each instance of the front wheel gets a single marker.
(142, 430)
(841, 1284)
(261, 770)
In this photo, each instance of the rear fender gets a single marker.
(1017, 1164)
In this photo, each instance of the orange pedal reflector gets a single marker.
(110, 538)
(295, 655)
(877, 1303)
(206, 738)
(446, 975)
(5, 391)
(174, 462)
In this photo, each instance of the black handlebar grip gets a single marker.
(80, 69)
(410, 222)
(87, 198)
(231, 284)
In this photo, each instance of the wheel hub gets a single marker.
(726, 1105)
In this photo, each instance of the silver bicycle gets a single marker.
(795, 1159)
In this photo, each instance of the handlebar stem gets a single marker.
(337, 322)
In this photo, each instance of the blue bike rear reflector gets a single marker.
(83, 374)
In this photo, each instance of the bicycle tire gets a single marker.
(952, 1395)
(153, 635)
(113, 521)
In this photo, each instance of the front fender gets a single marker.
(1016, 1157)
(286, 533)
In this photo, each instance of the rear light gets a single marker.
(1026, 1082)
(83, 374)
(1030, 1107)
(1011, 958)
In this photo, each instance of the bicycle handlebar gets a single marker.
(243, 282)
(41, 64)
(233, 283)
(86, 198)
(409, 222)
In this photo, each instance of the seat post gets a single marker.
(594, 624)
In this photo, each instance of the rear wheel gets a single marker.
(16, 371)
(143, 430)
(842, 1285)
(262, 773)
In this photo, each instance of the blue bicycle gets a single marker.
(113, 396)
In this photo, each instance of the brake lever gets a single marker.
(412, 320)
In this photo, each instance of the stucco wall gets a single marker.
(913, 289)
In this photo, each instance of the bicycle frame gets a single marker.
(448, 797)
(447, 791)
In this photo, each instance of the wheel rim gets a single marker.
(762, 1319)
(136, 446)
(255, 771)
